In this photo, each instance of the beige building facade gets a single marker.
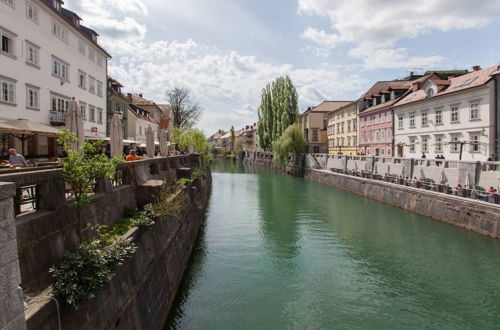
(342, 130)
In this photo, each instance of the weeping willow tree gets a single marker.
(291, 141)
(187, 137)
(278, 110)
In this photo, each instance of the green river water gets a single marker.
(279, 252)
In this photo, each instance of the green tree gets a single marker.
(186, 137)
(82, 168)
(231, 147)
(278, 110)
(291, 141)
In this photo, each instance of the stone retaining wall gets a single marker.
(141, 293)
(477, 216)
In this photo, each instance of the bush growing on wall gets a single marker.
(291, 141)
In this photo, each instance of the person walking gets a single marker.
(16, 159)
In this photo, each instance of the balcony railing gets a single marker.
(57, 118)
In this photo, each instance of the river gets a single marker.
(279, 252)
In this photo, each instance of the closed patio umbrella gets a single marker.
(74, 123)
(467, 180)
(443, 179)
(163, 143)
(422, 174)
(150, 142)
(388, 169)
(375, 169)
(116, 136)
(403, 172)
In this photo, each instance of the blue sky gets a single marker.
(226, 51)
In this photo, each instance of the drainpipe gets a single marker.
(495, 117)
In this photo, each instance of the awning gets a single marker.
(27, 127)
(129, 142)
(97, 138)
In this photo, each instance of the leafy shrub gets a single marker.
(479, 188)
(429, 180)
(184, 181)
(81, 273)
(291, 141)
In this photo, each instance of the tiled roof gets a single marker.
(455, 84)
(327, 106)
(166, 109)
(147, 118)
(382, 86)
(379, 106)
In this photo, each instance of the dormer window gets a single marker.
(393, 95)
(57, 5)
(374, 101)
(382, 99)
(430, 92)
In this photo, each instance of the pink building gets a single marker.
(375, 113)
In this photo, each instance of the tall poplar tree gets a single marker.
(278, 110)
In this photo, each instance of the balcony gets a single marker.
(57, 118)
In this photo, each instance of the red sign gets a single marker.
(94, 129)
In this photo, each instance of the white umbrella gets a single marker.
(403, 172)
(150, 142)
(74, 123)
(375, 169)
(388, 169)
(163, 143)
(116, 136)
(355, 167)
(422, 174)
(467, 180)
(443, 179)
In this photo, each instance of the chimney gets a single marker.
(129, 95)
(140, 94)
(476, 68)
(416, 86)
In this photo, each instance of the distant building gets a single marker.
(452, 117)
(47, 57)
(117, 103)
(342, 130)
(215, 140)
(314, 123)
(249, 136)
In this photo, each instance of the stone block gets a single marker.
(18, 323)
(10, 278)
(7, 227)
(7, 190)
(8, 252)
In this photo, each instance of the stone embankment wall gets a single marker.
(143, 289)
(294, 166)
(477, 216)
(141, 293)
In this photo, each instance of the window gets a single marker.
(438, 116)
(474, 111)
(82, 79)
(60, 68)
(430, 92)
(81, 47)
(454, 143)
(412, 121)
(9, 2)
(354, 141)
(91, 113)
(388, 151)
(32, 12)
(59, 103)
(59, 32)
(425, 144)
(354, 122)
(91, 54)
(99, 116)
(315, 134)
(348, 125)
(7, 43)
(379, 119)
(377, 135)
(438, 146)
(369, 120)
(330, 143)
(32, 54)
(32, 97)
(400, 122)
(99, 88)
(382, 151)
(342, 127)
(140, 130)
(348, 141)
(412, 144)
(474, 143)
(454, 114)
(99, 61)
(424, 119)
(388, 133)
(382, 134)
(83, 110)
(91, 84)
(8, 90)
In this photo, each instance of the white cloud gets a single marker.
(375, 27)
(321, 37)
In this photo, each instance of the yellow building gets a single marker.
(314, 125)
(342, 130)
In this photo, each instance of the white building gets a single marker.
(47, 57)
(138, 122)
(445, 117)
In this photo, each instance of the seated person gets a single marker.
(16, 159)
(492, 191)
(132, 156)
